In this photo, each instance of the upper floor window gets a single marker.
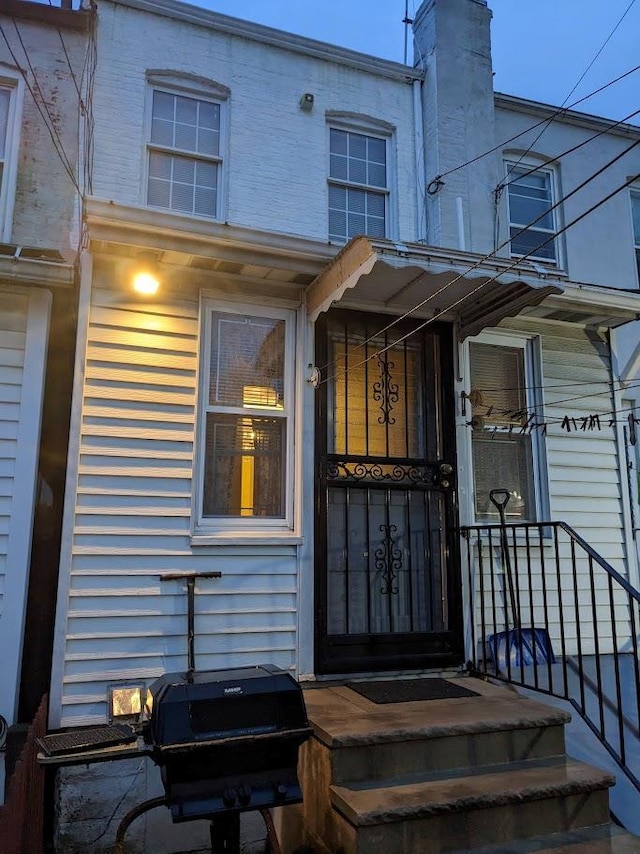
(10, 92)
(635, 211)
(358, 185)
(185, 152)
(507, 449)
(246, 433)
(532, 223)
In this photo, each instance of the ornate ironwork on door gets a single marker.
(385, 591)
(388, 559)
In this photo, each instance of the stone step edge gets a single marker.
(511, 793)
(419, 732)
(602, 838)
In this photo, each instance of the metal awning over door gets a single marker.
(381, 275)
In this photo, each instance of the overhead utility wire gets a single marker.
(549, 121)
(40, 92)
(46, 117)
(534, 126)
(479, 287)
(493, 254)
(550, 160)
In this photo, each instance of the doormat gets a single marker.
(410, 690)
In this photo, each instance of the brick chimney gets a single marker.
(452, 42)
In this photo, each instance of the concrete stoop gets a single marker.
(484, 774)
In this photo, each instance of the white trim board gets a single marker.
(21, 525)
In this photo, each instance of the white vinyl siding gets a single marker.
(532, 223)
(358, 185)
(132, 523)
(24, 322)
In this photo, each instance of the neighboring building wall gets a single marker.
(599, 249)
(45, 212)
(38, 208)
(276, 154)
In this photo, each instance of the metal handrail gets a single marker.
(569, 597)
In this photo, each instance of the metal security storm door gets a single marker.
(387, 580)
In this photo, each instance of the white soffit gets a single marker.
(397, 278)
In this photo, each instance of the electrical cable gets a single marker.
(536, 125)
(479, 287)
(46, 117)
(581, 78)
(568, 151)
(39, 89)
(494, 252)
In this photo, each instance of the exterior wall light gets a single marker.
(145, 274)
(127, 703)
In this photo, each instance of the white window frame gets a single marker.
(634, 199)
(235, 528)
(190, 86)
(14, 84)
(377, 129)
(530, 344)
(552, 174)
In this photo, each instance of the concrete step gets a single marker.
(444, 812)
(373, 742)
(605, 839)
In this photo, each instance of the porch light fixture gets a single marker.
(145, 274)
(126, 702)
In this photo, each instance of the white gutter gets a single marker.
(421, 178)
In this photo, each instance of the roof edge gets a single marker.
(573, 117)
(277, 38)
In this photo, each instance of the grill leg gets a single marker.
(225, 834)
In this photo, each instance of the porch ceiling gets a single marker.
(178, 241)
(396, 278)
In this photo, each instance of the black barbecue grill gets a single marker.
(227, 740)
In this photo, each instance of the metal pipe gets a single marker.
(131, 816)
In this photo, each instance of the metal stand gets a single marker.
(190, 578)
(225, 833)
(131, 816)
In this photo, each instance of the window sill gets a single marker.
(246, 538)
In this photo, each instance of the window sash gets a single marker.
(504, 456)
(635, 214)
(531, 196)
(184, 161)
(245, 437)
(358, 185)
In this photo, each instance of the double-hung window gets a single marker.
(246, 433)
(10, 92)
(507, 439)
(532, 223)
(185, 153)
(635, 211)
(358, 185)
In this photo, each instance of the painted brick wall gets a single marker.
(45, 196)
(278, 161)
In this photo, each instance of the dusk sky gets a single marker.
(540, 50)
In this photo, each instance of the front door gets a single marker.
(387, 575)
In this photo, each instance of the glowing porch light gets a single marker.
(145, 283)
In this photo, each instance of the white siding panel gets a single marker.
(24, 320)
(133, 517)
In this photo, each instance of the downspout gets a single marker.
(421, 180)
